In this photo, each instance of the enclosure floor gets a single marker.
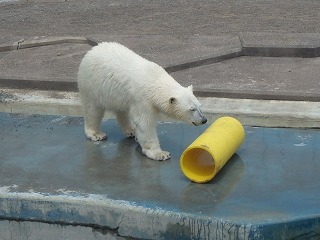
(50, 172)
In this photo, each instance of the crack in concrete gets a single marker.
(23, 43)
(203, 62)
(308, 235)
(19, 43)
(95, 228)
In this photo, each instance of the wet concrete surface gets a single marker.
(270, 186)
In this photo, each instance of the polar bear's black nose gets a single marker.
(204, 120)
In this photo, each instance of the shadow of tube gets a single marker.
(199, 196)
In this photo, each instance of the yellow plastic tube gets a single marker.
(204, 158)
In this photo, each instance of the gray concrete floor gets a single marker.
(262, 76)
(172, 34)
(79, 17)
(276, 78)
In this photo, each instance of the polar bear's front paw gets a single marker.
(158, 155)
(96, 136)
(163, 155)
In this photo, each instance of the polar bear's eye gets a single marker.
(192, 109)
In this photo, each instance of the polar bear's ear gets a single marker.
(191, 88)
(172, 100)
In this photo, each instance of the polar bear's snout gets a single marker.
(204, 120)
(198, 118)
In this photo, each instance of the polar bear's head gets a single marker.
(185, 106)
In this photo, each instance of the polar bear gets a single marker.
(113, 78)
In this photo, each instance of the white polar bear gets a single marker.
(114, 78)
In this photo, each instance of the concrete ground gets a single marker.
(257, 61)
(187, 38)
(232, 66)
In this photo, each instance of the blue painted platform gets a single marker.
(50, 173)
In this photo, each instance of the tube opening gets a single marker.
(198, 165)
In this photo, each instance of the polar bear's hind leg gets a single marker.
(127, 126)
